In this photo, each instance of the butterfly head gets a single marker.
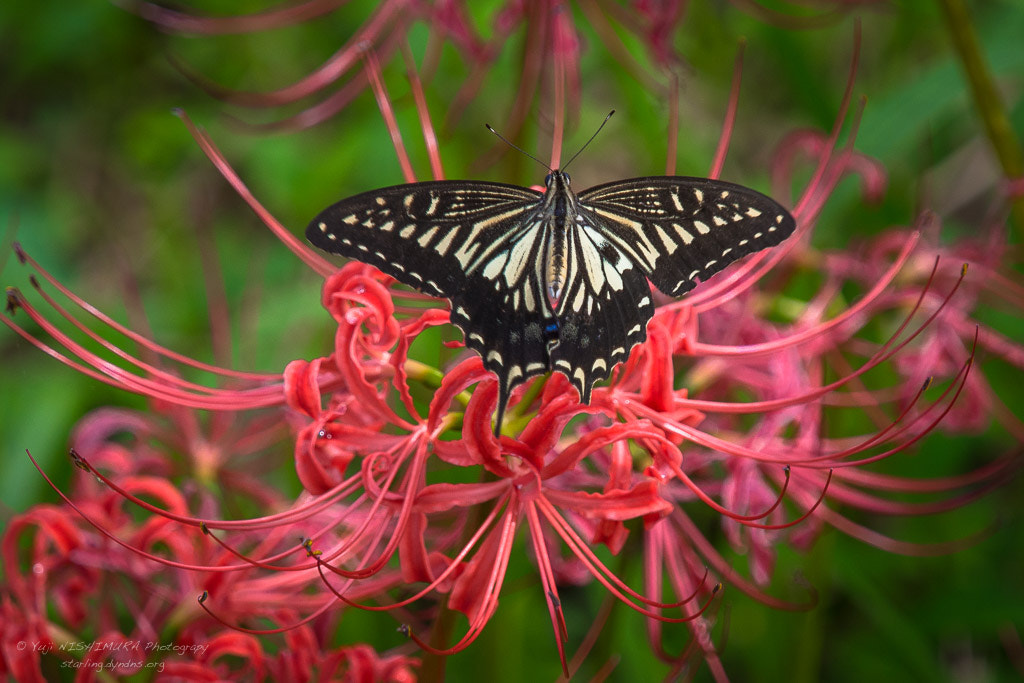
(557, 180)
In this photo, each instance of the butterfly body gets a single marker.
(554, 280)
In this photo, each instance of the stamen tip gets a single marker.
(13, 300)
(78, 460)
(19, 252)
(307, 543)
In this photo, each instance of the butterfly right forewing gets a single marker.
(679, 228)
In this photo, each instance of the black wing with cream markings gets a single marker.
(604, 310)
(503, 311)
(552, 281)
(678, 228)
(478, 244)
(424, 235)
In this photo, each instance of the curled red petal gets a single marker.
(443, 497)
(613, 533)
(597, 439)
(639, 501)
(21, 663)
(301, 388)
(544, 430)
(51, 524)
(656, 380)
(319, 463)
(465, 374)
(412, 550)
(356, 284)
(347, 355)
(477, 433)
(429, 318)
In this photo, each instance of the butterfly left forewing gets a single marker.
(477, 244)
(678, 229)
(422, 234)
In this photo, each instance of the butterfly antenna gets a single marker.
(517, 147)
(566, 165)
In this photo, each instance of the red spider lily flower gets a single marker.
(548, 36)
(991, 288)
(548, 28)
(230, 655)
(72, 569)
(724, 408)
(550, 49)
(785, 366)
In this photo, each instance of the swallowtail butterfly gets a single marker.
(554, 280)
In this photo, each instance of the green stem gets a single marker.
(987, 101)
(432, 666)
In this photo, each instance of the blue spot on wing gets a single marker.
(551, 330)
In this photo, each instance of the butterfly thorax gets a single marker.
(559, 210)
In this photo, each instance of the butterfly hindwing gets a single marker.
(503, 312)
(604, 310)
(678, 228)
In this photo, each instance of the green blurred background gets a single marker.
(105, 187)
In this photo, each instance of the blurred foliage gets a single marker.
(104, 187)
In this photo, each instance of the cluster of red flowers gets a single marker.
(413, 505)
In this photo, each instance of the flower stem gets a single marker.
(432, 665)
(986, 98)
